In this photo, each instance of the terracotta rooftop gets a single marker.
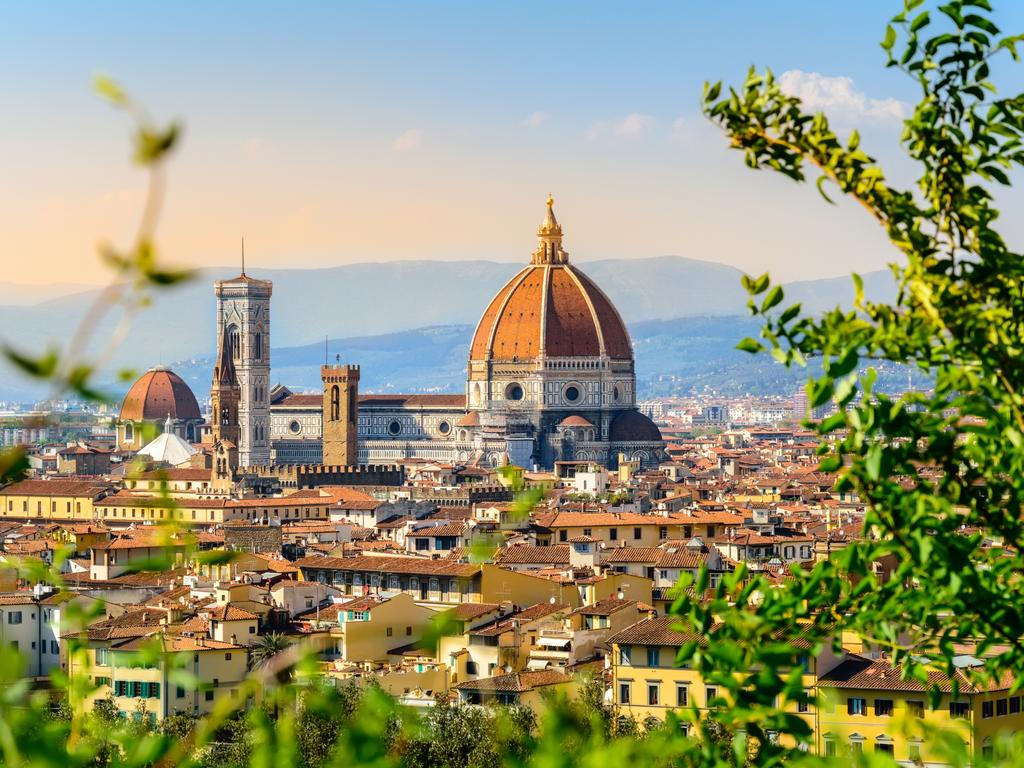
(517, 682)
(384, 564)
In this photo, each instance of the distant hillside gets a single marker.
(376, 305)
(682, 356)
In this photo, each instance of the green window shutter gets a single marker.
(154, 690)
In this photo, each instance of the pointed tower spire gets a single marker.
(224, 370)
(243, 255)
(549, 249)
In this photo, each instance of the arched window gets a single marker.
(129, 431)
(352, 404)
(233, 342)
(257, 346)
(335, 403)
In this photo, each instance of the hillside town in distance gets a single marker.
(358, 521)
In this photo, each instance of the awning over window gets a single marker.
(535, 665)
(554, 642)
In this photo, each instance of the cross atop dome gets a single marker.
(549, 249)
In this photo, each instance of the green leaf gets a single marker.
(920, 22)
(775, 295)
(890, 38)
(106, 87)
(750, 345)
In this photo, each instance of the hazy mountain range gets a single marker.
(408, 323)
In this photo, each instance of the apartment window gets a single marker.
(179, 692)
(883, 707)
(470, 667)
(613, 534)
(986, 709)
(14, 617)
(663, 532)
(587, 531)
(959, 709)
(915, 708)
(54, 647)
(914, 752)
(408, 631)
(830, 747)
(804, 704)
(653, 655)
(102, 657)
(710, 693)
(682, 696)
(390, 631)
(638, 533)
(422, 544)
(120, 688)
(1001, 705)
(856, 706)
(624, 689)
(252, 630)
(884, 746)
(563, 535)
(711, 531)
(653, 691)
(856, 745)
(1014, 705)
(624, 654)
(209, 696)
(227, 657)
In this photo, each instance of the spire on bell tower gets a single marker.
(549, 249)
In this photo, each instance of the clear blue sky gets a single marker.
(337, 132)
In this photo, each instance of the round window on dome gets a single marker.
(294, 427)
(571, 393)
(444, 427)
(514, 392)
(395, 427)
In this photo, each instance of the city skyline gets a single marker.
(335, 135)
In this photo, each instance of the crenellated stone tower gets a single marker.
(243, 329)
(340, 415)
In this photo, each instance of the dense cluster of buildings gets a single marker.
(355, 523)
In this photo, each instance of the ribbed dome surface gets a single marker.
(553, 310)
(157, 394)
(633, 426)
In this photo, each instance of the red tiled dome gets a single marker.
(157, 394)
(553, 310)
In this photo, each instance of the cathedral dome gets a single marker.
(633, 427)
(157, 394)
(550, 309)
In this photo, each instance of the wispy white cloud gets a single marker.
(628, 127)
(535, 119)
(839, 96)
(408, 140)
